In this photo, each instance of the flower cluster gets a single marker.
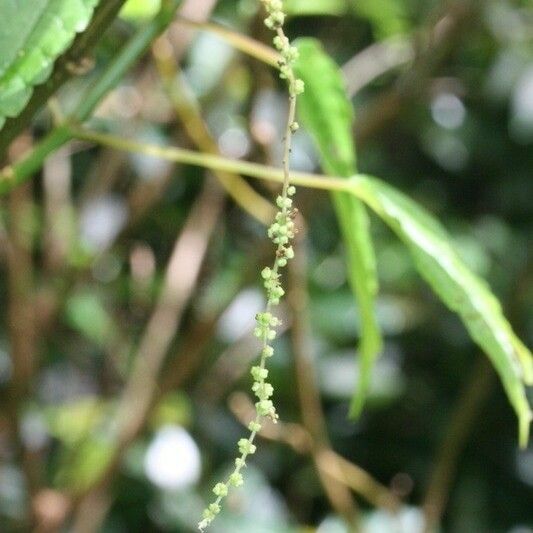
(288, 53)
(263, 329)
(281, 232)
(276, 17)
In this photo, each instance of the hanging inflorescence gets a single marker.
(281, 232)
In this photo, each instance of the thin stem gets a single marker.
(463, 417)
(18, 173)
(313, 418)
(212, 162)
(288, 146)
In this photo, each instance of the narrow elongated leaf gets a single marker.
(32, 35)
(327, 114)
(458, 287)
(324, 108)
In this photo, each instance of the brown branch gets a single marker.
(195, 11)
(332, 464)
(20, 286)
(464, 414)
(21, 320)
(307, 386)
(374, 61)
(134, 405)
(58, 211)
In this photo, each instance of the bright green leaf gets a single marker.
(32, 35)
(317, 7)
(327, 114)
(460, 289)
(139, 10)
(325, 109)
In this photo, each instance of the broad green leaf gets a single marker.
(460, 289)
(327, 114)
(32, 35)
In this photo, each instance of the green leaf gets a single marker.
(86, 314)
(72, 422)
(86, 447)
(80, 467)
(140, 10)
(317, 7)
(32, 35)
(387, 17)
(326, 112)
(460, 289)
(324, 107)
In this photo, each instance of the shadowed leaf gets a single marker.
(459, 288)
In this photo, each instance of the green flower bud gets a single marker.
(254, 426)
(265, 408)
(246, 447)
(220, 489)
(297, 87)
(259, 373)
(283, 202)
(268, 351)
(214, 508)
(274, 321)
(266, 273)
(236, 479)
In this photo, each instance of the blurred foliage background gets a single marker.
(108, 256)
